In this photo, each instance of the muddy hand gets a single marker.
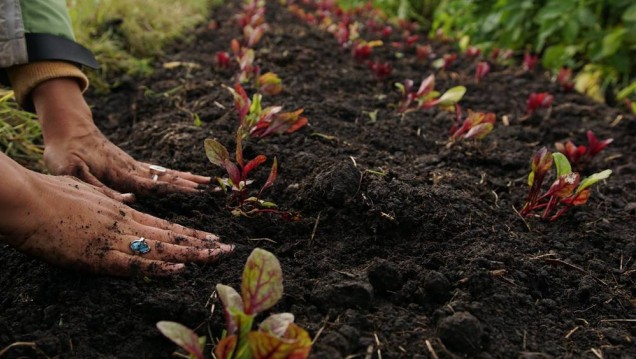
(75, 146)
(68, 223)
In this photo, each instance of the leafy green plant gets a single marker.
(261, 288)
(567, 191)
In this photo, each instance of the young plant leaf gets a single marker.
(216, 152)
(253, 164)
(277, 324)
(183, 337)
(562, 164)
(226, 347)
(295, 344)
(230, 299)
(452, 96)
(593, 179)
(262, 281)
(273, 173)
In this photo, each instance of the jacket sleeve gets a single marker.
(37, 44)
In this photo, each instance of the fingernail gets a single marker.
(176, 267)
(128, 197)
(211, 237)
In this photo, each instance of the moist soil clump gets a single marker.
(406, 248)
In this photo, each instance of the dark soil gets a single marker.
(429, 259)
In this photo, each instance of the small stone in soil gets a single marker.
(461, 332)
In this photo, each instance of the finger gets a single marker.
(171, 237)
(148, 186)
(121, 264)
(174, 252)
(185, 175)
(151, 221)
(82, 172)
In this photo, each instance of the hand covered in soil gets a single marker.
(75, 146)
(68, 223)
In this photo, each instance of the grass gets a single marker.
(125, 36)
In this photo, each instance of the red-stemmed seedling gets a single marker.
(538, 100)
(476, 125)
(530, 61)
(362, 50)
(223, 59)
(426, 97)
(237, 182)
(423, 52)
(482, 69)
(261, 288)
(381, 70)
(581, 156)
(256, 121)
(564, 79)
(567, 191)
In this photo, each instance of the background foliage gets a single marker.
(597, 38)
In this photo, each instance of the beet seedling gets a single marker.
(256, 121)
(476, 125)
(530, 61)
(567, 191)
(482, 69)
(564, 79)
(261, 288)
(581, 156)
(237, 182)
(269, 83)
(538, 100)
(363, 49)
(426, 97)
(223, 59)
(380, 70)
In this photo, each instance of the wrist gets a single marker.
(62, 110)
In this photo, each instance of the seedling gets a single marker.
(567, 191)
(538, 100)
(363, 49)
(423, 52)
(581, 156)
(261, 288)
(473, 51)
(253, 35)
(482, 69)
(256, 121)
(529, 61)
(380, 70)
(223, 59)
(237, 182)
(269, 84)
(426, 97)
(476, 125)
(445, 62)
(564, 79)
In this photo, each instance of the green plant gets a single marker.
(567, 191)
(261, 288)
(20, 133)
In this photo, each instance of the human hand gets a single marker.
(68, 223)
(75, 146)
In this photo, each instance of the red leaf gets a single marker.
(182, 336)
(223, 59)
(233, 172)
(483, 68)
(253, 164)
(273, 173)
(529, 61)
(296, 344)
(225, 348)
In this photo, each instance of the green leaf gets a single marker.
(229, 297)
(612, 42)
(452, 96)
(183, 337)
(216, 152)
(593, 179)
(630, 14)
(562, 164)
(626, 91)
(262, 281)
